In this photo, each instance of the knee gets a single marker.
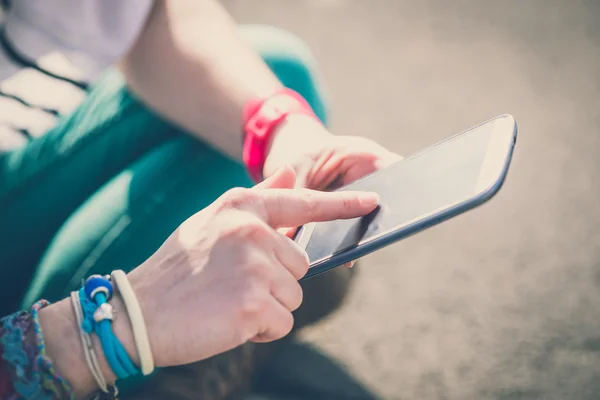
(290, 58)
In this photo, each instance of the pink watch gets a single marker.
(261, 117)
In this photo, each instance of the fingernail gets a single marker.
(369, 199)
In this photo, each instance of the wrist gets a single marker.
(298, 137)
(64, 347)
(265, 118)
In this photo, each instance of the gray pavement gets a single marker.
(504, 302)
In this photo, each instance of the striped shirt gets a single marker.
(50, 51)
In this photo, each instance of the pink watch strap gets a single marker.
(261, 117)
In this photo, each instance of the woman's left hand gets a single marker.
(323, 161)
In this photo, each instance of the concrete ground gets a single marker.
(503, 302)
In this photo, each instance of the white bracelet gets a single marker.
(138, 326)
(88, 349)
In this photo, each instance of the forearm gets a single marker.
(192, 67)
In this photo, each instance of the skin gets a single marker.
(226, 276)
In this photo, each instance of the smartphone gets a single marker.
(420, 191)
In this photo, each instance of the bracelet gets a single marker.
(23, 359)
(138, 325)
(88, 349)
(45, 364)
(98, 316)
(107, 392)
(260, 119)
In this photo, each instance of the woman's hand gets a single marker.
(323, 161)
(226, 276)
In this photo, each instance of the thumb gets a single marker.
(284, 178)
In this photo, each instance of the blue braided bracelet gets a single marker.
(97, 317)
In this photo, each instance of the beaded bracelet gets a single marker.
(98, 316)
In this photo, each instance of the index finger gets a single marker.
(295, 207)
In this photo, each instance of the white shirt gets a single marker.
(72, 39)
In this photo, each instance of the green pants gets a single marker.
(104, 188)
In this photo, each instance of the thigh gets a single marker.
(42, 183)
(132, 214)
